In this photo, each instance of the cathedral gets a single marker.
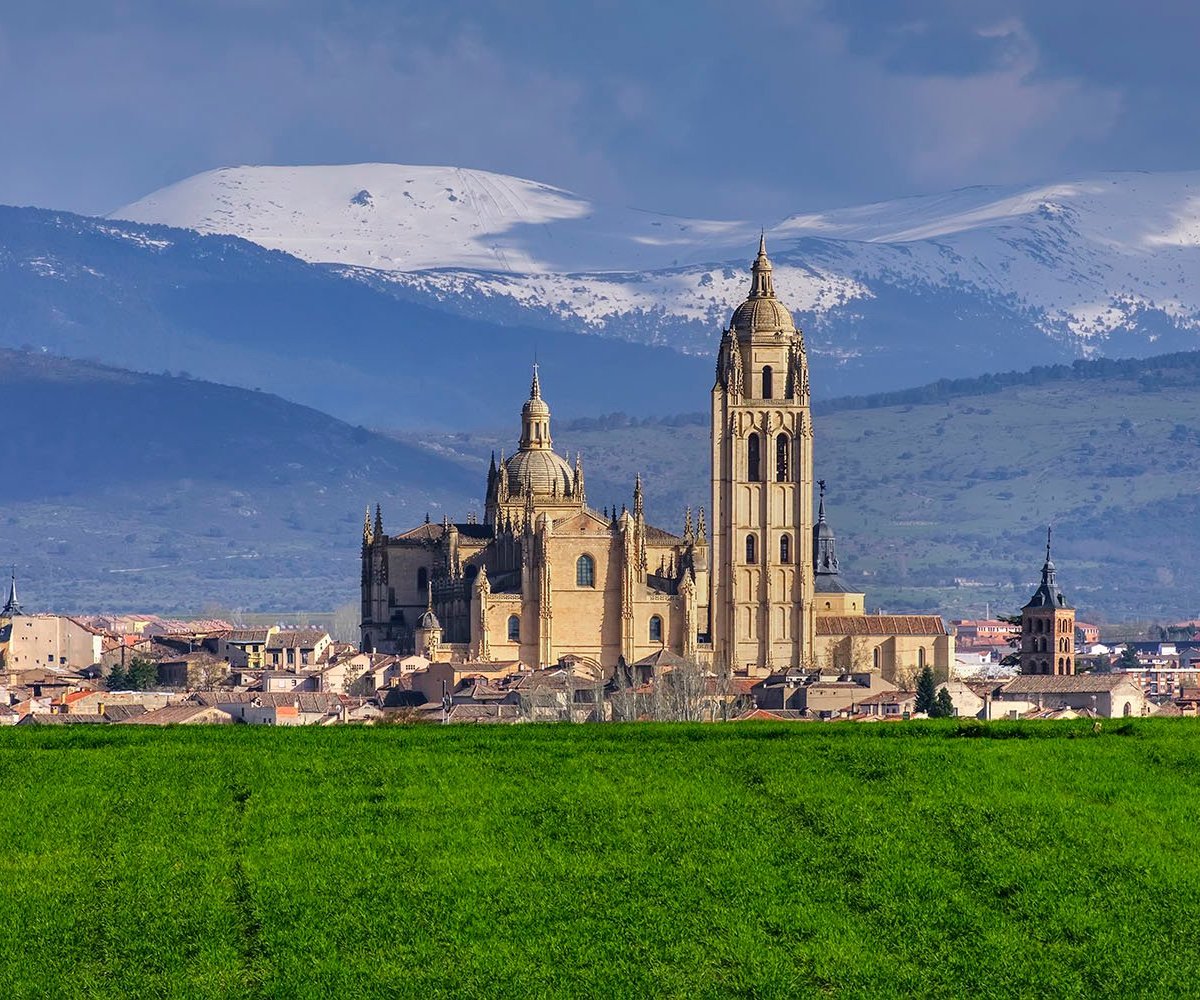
(544, 578)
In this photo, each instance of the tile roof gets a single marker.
(296, 638)
(887, 698)
(310, 701)
(118, 713)
(247, 635)
(176, 715)
(1066, 683)
(62, 719)
(881, 625)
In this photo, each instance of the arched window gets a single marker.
(753, 465)
(781, 458)
(1062, 669)
(514, 628)
(768, 382)
(785, 549)
(1128, 709)
(422, 580)
(751, 549)
(585, 572)
(656, 629)
(875, 657)
(921, 657)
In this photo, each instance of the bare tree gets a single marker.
(206, 673)
(624, 694)
(345, 625)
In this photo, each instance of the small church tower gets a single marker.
(12, 607)
(427, 636)
(761, 603)
(1047, 627)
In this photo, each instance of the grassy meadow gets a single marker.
(749, 860)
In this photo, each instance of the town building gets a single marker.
(1105, 695)
(546, 578)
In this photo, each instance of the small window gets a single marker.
(585, 572)
(753, 459)
(422, 580)
(921, 657)
(875, 657)
(768, 382)
(514, 628)
(656, 629)
(751, 549)
(781, 458)
(785, 549)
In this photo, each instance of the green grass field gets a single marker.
(739, 860)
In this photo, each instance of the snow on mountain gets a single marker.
(1077, 262)
(409, 218)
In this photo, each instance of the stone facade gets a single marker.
(542, 578)
(545, 578)
(762, 587)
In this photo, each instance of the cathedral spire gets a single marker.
(1048, 565)
(762, 285)
(367, 536)
(637, 496)
(825, 560)
(12, 606)
(378, 530)
(535, 418)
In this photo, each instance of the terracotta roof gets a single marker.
(1065, 683)
(296, 638)
(118, 713)
(61, 719)
(881, 625)
(247, 635)
(175, 715)
(887, 698)
(774, 715)
(310, 701)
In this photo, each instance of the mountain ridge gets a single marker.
(1070, 266)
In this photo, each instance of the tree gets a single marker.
(1016, 621)
(1128, 660)
(345, 627)
(140, 675)
(206, 673)
(943, 705)
(926, 692)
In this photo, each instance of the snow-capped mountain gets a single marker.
(1107, 264)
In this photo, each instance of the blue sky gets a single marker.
(749, 110)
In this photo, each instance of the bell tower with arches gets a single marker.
(761, 605)
(1047, 627)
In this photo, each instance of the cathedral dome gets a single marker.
(762, 312)
(542, 469)
(762, 315)
(428, 620)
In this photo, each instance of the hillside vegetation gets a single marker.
(125, 490)
(960, 487)
(673, 861)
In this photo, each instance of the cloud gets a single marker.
(755, 112)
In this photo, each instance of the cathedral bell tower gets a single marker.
(761, 606)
